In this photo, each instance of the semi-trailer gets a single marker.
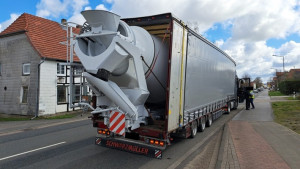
(154, 79)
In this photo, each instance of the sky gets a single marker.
(250, 31)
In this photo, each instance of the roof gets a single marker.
(279, 73)
(293, 74)
(45, 35)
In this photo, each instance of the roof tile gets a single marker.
(45, 35)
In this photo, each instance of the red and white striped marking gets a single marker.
(117, 123)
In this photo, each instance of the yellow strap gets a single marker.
(181, 77)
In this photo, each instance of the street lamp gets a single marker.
(282, 61)
(70, 47)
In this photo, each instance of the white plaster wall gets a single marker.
(47, 102)
(48, 89)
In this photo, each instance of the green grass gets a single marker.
(275, 93)
(14, 118)
(292, 98)
(64, 116)
(22, 118)
(287, 114)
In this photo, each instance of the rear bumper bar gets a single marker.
(131, 147)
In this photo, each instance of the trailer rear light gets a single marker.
(161, 143)
(155, 142)
(100, 131)
(104, 132)
(107, 132)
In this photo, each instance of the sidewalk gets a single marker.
(13, 127)
(253, 140)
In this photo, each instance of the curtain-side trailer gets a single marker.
(190, 82)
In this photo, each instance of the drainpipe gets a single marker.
(38, 91)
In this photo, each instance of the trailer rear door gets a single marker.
(177, 76)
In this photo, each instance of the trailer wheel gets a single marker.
(228, 107)
(209, 120)
(194, 129)
(202, 124)
(236, 104)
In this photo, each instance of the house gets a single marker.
(31, 78)
(280, 76)
(293, 74)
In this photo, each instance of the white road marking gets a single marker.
(32, 151)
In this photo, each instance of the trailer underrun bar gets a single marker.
(128, 146)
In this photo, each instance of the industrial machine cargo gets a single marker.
(154, 78)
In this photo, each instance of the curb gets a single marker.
(222, 146)
(224, 140)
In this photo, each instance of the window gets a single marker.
(24, 94)
(61, 94)
(60, 69)
(26, 69)
(77, 93)
(77, 71)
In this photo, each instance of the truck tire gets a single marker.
(228, 108)
(209, 120)
(235, 105)
(202, 124)
(194, 129)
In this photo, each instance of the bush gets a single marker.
(289, 86)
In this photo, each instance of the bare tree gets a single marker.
(258, 82)
(246, 75)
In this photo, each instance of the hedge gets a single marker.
(289, 86)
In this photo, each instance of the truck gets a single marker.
(154, 78)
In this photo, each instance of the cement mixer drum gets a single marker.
(124, 65)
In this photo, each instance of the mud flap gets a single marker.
(129, 147)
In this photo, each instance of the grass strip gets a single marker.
(22, 118)
(287, 114)
(276, 93)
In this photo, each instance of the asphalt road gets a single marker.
(72, 146)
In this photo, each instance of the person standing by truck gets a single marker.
(247, 97)
(251, 98)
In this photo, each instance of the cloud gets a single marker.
(77, 17)
(58, 8)
(205, 13)
(255, 58)
(109, 1)
(62, 9)
(267, 19)
(88, 8)
(250, 22)
(291, 52)
(219, 42)
(6, 23)
(101, 7)
(51, 8)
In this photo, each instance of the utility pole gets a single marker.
(282, 62)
